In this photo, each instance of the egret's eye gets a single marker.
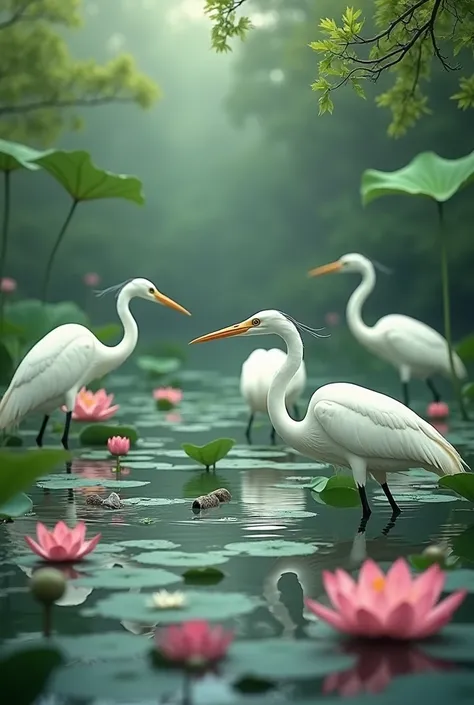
(255, 321)
(151, 290)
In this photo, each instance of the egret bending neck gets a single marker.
(354, 306)
(130, 330)
(284, 425)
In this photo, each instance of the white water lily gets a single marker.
(165, 600)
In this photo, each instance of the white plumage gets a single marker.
(415, 349)
(256, 377)
(68, 358)
(348, 425)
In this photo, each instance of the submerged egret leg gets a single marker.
(273, 436)
(395, 508)
(248, 429)
(65, 438)
(39, 437)
(433, 390)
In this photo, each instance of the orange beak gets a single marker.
(229, 332)
(325, 269)
(162, 299)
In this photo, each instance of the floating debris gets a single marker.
(113, 501)
(213, 499)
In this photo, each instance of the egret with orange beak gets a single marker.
(415, 349)
(69, 357)
(347, 425)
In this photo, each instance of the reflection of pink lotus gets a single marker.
(395, 606)
(193, 644)
(118, 445)
(91, 279)
(174, 417)
(168, 394)
(92, 406)
(437, 410)
(332, 319)
(441, 427)
(376, 667)
(7, 285)
(94, 470)
(62, 544)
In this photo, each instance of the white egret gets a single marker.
(414, 348)
(257, 373)
(347, 425)
(68, 358)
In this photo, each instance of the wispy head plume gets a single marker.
(381, 267)
(303, 328)
(115, 289)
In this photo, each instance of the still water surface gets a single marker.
(268, 503)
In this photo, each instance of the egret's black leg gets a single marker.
(433, 390)
(406, 394)
(65, 438)
(273, 436)
(39, 437)
(296, 412)
(391, 523)
(249, 428)
(395, 508)
(366, 510)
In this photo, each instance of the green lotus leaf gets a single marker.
(33, 318)
(462, 483)
(126, 578)
(84, 181)
(20, 470)
(149, 544)
(38, 662)
(181, 558)
(426, 175)
(108, 332)
(16, 506)
(211, 453)
(14, 155)
(158, 366)
(273, 547)
(97, 434)
(203, 576)
(65, 482)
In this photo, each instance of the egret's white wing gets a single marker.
(371, 425)
(416, 344)
(51, 368)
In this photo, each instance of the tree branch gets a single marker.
(58, 104)
(18, 15)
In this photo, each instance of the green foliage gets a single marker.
(38, 84)
(336, 491)
(422, 561)
(38, 662)
(406, 44)
(33, 319)
(14, 155)
(203, 576)
(97, 434)
(84, 181)
(426, 175)
(20, 470)
(461, 483)
(158, 367)
(16, 506)
(107, 333)
(465, 348)
(211, 453)
(226, 23)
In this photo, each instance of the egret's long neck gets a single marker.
(130, 330)
(282, 422)
(355, 303)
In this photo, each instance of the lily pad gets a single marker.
(38, 662)
(158, 366)
(461, 483)
(65, 482)
(463, 545)
(285, 659)
(83, 181)
(273, 547)
(422, 561)
(17, 506)
(340, 491)
(211, 453)
(152, 501)
(149, 544)
(209, 605)
(462, 579)
(454, 643)
(181, 558)
(20, 470)
(203, 576)
(14, 155)
(125, 578)
(97, 434)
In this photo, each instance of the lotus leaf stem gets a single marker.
(59, 239)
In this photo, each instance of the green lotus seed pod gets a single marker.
(436, 551)
(48, 585)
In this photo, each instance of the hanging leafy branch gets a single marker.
(226, 24)
(412, 35)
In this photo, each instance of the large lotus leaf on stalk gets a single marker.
(84, 182)
(437, 178)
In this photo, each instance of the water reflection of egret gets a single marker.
(262, 500)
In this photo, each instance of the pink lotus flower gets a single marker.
(7, 285)
(394, 606)
(62, 544)
(437, 410)
(118, 445)
(193, 644)
(91, 279)
(375, 668)
(169, 394)
(92, 406)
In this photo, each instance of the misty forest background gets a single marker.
(246, 187)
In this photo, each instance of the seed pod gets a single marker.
(206, 501)
(222, 494)
(47, 585)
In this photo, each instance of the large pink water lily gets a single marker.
(62, 544)
(394, 606)
(194, 644)
(92, 406)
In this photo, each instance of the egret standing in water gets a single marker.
(414, 348)
(257, 373)
(345, 424)
(68, 358)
